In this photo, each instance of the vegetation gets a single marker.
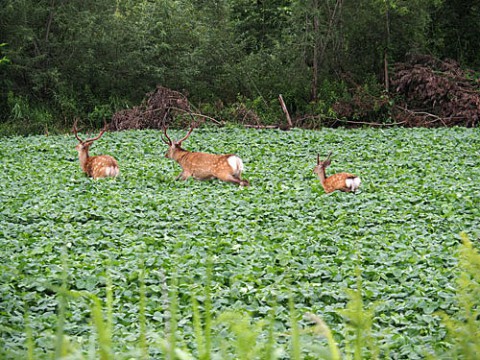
(59, 60)
(143, 266)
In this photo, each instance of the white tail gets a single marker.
(237, 165)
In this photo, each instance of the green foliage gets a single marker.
(234, 250)
(3, 60)
(464, 327)
(454, 33)
(90, 59)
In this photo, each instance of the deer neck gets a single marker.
(180, 155)
(83, 158)
(321, 175)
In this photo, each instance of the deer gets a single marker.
(203, 166)
(341, 181)
(99, 166)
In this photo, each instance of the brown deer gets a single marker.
(203, 166)
(342, 181)
(99, 166)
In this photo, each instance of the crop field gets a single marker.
(149, 248)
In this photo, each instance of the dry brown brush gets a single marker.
(159, 105)
(435, 93)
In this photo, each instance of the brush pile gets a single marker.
(435, 93)
(159, 106)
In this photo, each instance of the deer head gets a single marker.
(174, 147)
(322, 165)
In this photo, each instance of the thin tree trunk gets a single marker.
(387, 45)
(285, 110)
(316, 35)
(50, 19)
(318, 48)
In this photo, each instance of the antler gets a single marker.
(327, 161)
(92, 139)
(75, 130)
(178, 142)
(318, 159)
(192, 126)
(169, 142)
(99, 135)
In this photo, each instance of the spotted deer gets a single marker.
(342, 181)
(203, 166)
(99, 166)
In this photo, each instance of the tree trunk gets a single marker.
(316, 46)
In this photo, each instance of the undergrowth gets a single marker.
(237, 335)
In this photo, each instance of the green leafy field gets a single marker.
(281, 238)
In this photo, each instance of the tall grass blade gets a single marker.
(109, 299)
(360, 322)
(464, 327)
(208, 310)
(102, 329)
(60, 346)
(322, 329)
(197, 328)
(295, 332)
(270, 346)
(30, 343)
(172, 339)
(142, 341)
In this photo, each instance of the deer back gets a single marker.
(341, 181)
(101, 166)
(206, 166)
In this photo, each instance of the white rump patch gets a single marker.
(353, 183)
(236, 164)
(112, 171)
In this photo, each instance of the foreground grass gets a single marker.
(137, 249)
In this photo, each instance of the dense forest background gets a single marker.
(61, 59)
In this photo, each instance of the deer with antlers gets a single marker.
(203, 166)
(341, 181)
(99, 166)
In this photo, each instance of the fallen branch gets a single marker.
(373, 123)
(338, 120)
(435, 118)
(262, 126)
(185, 111)
(200, 115)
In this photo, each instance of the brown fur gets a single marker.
(99, 166)
(335, 181)
(202, 166)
